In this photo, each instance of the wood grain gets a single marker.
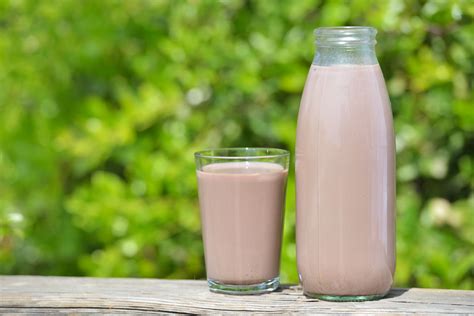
(72, 295)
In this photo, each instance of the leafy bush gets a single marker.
(104, 102)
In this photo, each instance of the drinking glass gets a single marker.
(242, 198)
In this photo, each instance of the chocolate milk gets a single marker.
(345, 185)
(242, 207)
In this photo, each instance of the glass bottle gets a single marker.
(345, 171)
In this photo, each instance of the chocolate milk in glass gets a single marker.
(242, 199)
(242, 216)
(345, 171)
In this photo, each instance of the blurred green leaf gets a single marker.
(102, 104)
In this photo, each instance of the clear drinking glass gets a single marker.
(242, 199)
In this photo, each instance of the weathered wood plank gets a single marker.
(36, 295)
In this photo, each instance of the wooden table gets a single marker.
(36, 294)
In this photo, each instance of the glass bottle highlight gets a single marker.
(345, 171)
(242, 198)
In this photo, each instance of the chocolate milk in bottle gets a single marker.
(345, 171)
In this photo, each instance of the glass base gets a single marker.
(345, 298)
(242, 289)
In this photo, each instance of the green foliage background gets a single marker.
(102, 104)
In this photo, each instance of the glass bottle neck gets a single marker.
(341, 55)
(347, 45)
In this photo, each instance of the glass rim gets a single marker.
(218, 153)
(354, 29)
